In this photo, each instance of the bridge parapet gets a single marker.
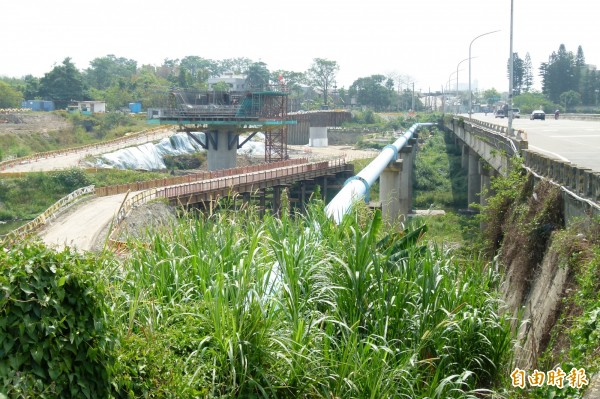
(582, 185)
(580, 181)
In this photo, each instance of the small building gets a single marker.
(88, 107)
(135, 108)
(235, 82)
(38, 105)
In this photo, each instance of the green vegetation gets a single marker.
(523, 223)
(80, 130)
(9, 97)
(574, 339)
(232, 305)
(185, 162)
(440, 181)
(55, 325)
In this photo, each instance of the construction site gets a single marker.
(224, 115)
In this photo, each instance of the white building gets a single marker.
(88, 107)
(235, 82)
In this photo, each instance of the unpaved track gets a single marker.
(79, 227)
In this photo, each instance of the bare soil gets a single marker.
(31, 122)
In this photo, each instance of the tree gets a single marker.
(558, 74)
(528, 102)
(590, 87)
(9, 97)
(570, 99)
(491, 96)
(105, 71)
(236, 65)
(199, 70)
(62, 84)
(372, 92)
(527, 74)
(518, 73)
(321, 74)
(257, 75)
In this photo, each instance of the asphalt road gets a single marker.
(572, 141)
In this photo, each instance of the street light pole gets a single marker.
(470, 93)
(458, 107)
(511, 78)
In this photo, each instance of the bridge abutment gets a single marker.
(318, 137)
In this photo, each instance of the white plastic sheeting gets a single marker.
(150, 156)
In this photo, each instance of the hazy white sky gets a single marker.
(423, 39)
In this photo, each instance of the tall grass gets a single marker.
(297, 306)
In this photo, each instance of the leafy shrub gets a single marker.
(54, 334)
(71, 179)
(184, 162)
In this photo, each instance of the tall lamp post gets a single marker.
(511, 78)
(470, 93)
(458, 106)
(448, 85)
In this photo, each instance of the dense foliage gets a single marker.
(440, 180)
(55, 331)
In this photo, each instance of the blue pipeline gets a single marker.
(357, 187)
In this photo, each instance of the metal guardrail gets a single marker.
(580, 183)
(59, 206)
(171, 181)
(245, 179)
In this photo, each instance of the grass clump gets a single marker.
(297, 306)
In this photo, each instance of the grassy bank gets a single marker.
(34, 136)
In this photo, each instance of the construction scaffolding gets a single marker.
(250, 111)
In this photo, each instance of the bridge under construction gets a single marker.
(225, 115)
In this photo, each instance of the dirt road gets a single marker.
(80, 226)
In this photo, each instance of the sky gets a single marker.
(423, 41)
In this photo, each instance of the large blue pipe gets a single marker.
(357, 187)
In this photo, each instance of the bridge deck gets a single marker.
(209, 190)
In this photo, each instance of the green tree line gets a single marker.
(567, 80)
(119, 81)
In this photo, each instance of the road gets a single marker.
(79, 228)
(572, 141)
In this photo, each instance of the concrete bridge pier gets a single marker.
(221, 148)
(473, 178)
(486, 173)
(464, 159)
(395, 186)
(318, 137)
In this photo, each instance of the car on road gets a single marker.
(538, 114)
(499, 113)
(516, 113)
